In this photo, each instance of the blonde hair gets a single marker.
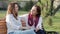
(11, 9)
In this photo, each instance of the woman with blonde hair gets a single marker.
(13, 21)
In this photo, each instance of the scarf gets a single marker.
(31, 21)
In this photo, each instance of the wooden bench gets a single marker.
(3, 28)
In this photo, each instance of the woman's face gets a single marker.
(16, 8)
(34, 11)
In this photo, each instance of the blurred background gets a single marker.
(50, 11)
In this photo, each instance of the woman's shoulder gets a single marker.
(9, 15)
(40, 18)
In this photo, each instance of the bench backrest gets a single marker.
(3, 27)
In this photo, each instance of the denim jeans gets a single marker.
(23, 32)
(11, 33)
(41, 32)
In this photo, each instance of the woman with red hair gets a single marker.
(34, 20)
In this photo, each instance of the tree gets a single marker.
(48, 9)
(51, 9)
(47, 6)
(28, 5)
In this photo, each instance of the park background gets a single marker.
(50, 11)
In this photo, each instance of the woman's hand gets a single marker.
(26, 28)
(22, 28)
(23, 23)
(37, 29)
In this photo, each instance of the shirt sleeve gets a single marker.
(40, 23)
(25, 17)
(11, 22)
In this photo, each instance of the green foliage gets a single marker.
(1, 0)
(13, 0)
(46, 7)
(28, 5)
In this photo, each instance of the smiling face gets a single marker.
(34, 11)
(16, 8)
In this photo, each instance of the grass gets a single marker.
(54, 27)
(56, 23)
(3, 13)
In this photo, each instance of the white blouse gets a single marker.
(25, 16)
(12, 23)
